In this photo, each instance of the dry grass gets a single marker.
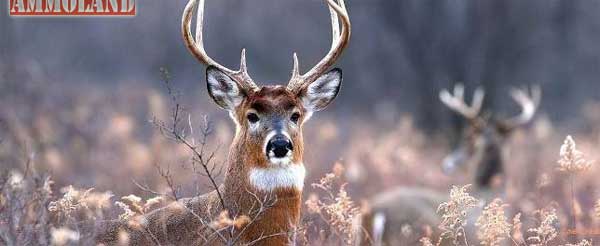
(103, 140)
(454, 214)
(581, 243)
(493, 224)
(334, 206)
(571, 159)
(546, 231)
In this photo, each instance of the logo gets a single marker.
(72, 7)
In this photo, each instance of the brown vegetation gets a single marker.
(91, 143)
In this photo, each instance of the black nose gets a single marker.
(279, 145)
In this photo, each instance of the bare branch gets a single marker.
(145, 188)
(174, 132)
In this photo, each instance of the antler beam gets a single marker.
(196, 46)
(338, 44)
(529, 101)
(457, 102)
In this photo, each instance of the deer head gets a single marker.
(269, 119)
(480, 150)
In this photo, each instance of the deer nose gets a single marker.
(279, 146)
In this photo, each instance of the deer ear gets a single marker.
(322, 91)
(224, 90)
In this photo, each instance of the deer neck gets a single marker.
(488, 169)
(487, 177)
(245, 180)
(273, 193)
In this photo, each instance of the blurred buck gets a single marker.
(479, 157)
(265, 157)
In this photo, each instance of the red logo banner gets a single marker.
(72, 7)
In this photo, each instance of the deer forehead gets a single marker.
(273, 99)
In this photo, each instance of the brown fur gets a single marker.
(417, 207)
(272, 100)
(480, 157)
(181, 222)
(410, 214)
(414, 207)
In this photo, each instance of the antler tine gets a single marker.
(295, 71)
(457, 103)
(196, 46)
(478, 100)
(338, 44)
(529, 101)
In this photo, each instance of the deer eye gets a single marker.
(252, 117)
(295, 117)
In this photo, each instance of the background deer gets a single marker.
(478, 156)
(265, 171)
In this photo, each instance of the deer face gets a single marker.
(269, 119)
(479, 153)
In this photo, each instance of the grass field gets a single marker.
(68, 157)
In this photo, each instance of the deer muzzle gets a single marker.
(279, 146)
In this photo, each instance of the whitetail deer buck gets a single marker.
(479, 156)
(265, 157)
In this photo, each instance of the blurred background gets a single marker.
(401, 52)
(79, 92)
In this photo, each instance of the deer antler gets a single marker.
(196, 47)
(529, 101)
(457, 103)
(338, 44)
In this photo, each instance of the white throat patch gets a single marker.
(288, 176)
